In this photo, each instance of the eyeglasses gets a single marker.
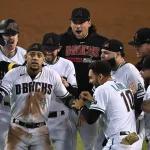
(10, 34)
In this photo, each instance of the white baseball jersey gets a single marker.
(18, 58)
(147, 115)
(31, 98)
(128, 73)
(115, 100)
(65, 68)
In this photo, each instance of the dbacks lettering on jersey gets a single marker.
(33, 87)
(83, 50)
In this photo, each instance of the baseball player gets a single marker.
(111, 99)
(141, 43)
(113, 52)
(82, 45)
(145, 67)
(31, 90)
(61, 127)
(9, 52)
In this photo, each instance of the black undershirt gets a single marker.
(90, 115)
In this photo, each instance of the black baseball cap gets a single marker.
(9, 26)
(141, 36)
(51, 41)
(113, 45)
(80, 14)
(146, 63)
(36, 47)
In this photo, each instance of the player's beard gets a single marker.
(112, 63)
(96, 83)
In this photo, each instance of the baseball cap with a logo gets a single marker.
(36, 47)
(9, 26)
(146, 63)
(81, 14)
(51, 41)
(113, 45)
(141, 36)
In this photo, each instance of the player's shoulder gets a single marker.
(48, 71)
(64, 35)
(98, 36)
(21, 50)
(130, 68)
(148, 89)
(65, 61)
(100, 88)
(16, 72)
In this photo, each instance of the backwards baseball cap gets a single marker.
(9, 26)
(113, 45)
(51, 41)
(146, 63)
(141, 36)
(36, 47)
(80, 14)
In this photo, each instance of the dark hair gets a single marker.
(92, 29)
(101, 67)
(122, 54)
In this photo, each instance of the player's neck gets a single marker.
(106, 79)
(53, 61)
(33, 72)
(7, 52)
(119, 63)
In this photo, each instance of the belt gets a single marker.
(120, 133)
(124, 132)
(29, 125)
(56, 114)
(7, 103)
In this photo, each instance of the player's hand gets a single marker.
(86, 95)
(78, 104)
(133, 87)
(65, 83)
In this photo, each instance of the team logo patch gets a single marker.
(49, 41)
(79, 13)
(36, 47)
(10, 26)
(107, 45)
(94, 101)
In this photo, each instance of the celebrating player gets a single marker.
(9, 52)
(31, 90)
(82, 45)
(61, 127)
(115, 101)
(113, 53)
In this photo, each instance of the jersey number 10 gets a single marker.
(128, 99)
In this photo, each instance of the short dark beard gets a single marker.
(146, 82)
(112, 63)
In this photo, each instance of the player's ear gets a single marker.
(90, 23)
(25, 56)
(44, 57)
(100, 77)
(59, 48)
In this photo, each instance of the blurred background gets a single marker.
(114, 19)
